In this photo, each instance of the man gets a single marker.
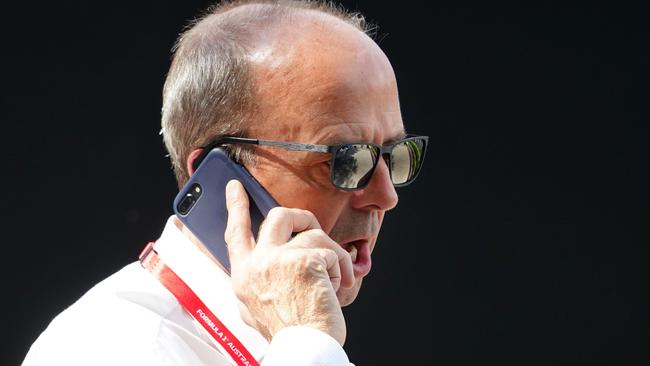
(291, 71)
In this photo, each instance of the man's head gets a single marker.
(289, 71)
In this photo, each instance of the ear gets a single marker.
(189, 163)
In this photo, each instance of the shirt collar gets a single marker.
(209, 282)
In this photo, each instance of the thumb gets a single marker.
(238, 232)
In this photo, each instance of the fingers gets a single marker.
(238, 233)
(281, 222)
(277, 229)
(284, 281)
(331, 261)
(345, 264)
(338, 260)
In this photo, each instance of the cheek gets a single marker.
(309, 191)
(326, 204)
(327, 211)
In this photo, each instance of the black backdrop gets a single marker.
(524, 241)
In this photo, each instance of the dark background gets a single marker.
(524, 242)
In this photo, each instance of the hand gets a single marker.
(283, 281)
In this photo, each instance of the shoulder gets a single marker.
(129, 318)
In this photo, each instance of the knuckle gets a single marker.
(238, 202)
(243, 287)
(306, 213)
(316, 235)
(230, 233)
(291, 258)
(277, 214)
(295, 261)
(309, 262)
(243, 295)
(320, 233)
(327, 253)
(318, 262)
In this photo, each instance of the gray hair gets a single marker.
(210, 91)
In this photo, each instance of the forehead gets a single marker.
(328, 84)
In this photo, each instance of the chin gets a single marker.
(347, 296)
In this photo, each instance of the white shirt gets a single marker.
(132, 319)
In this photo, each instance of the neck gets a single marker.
(196, 242)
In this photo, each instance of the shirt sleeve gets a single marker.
(304, 346)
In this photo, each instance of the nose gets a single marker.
(379, 193)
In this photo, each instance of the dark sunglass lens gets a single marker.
(406, 160)
(353, 165)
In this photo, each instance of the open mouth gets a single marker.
(360, 254)
(352, 249)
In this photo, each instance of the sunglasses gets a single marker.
(353, 165)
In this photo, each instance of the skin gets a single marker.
(330, 84)
(327, 84)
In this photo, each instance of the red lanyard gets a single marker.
(193, 305)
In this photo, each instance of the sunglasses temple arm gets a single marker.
(295, 147)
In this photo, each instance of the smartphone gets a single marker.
(201, 203)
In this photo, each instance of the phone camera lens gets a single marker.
(185, 204)
(192, 195)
